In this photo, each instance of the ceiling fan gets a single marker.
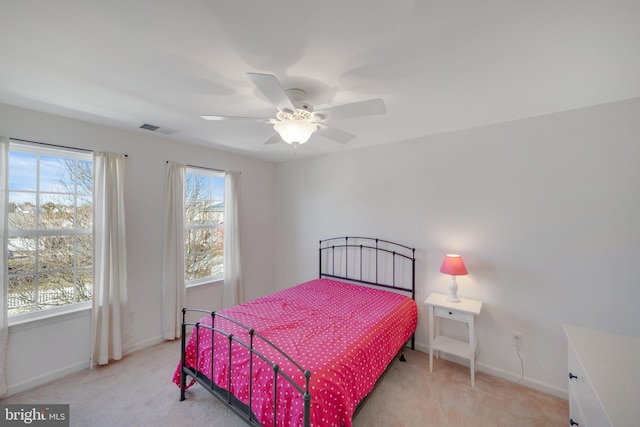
(296, 120)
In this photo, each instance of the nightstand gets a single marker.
(464, 311)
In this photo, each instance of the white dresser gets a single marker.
(604, 378)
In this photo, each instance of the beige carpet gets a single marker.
(137, 391)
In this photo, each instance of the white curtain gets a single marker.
(173, 288)
(4, 240)
(112, 329)
(232, 292)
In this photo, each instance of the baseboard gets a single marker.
(503, 374)
(482, 367)
(48, 377)
(422, 348)
(146, 343)
(527, 382)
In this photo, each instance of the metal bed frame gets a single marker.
(336, 256)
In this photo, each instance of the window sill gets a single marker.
(219, 281)
(47, 317)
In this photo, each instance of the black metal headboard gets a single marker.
(370, 261)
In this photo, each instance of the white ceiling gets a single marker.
(440, 66)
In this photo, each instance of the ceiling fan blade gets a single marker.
(336, 134)
(274, 139)
(355, 109)
(271, 88)
(258, 119)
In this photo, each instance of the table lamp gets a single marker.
(454, 266)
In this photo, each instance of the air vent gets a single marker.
(147, 126)
(154, 128)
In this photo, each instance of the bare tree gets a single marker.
(54, 268)
(203, 237)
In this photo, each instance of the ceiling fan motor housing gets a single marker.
(303, 110)
(299, 114)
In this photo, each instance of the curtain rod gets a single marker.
(205, 168)
(54, 145)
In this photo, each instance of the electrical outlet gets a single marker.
(517, 339)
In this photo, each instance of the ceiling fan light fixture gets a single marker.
(295, 132)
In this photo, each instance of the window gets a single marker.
(50, 216)
(204, 212)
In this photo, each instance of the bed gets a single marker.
(316, 350)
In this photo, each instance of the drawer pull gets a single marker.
(450, 314)
(573, 423)
(571, 376)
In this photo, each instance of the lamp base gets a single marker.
(453, 290)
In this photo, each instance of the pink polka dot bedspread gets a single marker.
(345, 334)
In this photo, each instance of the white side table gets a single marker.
(464, 311)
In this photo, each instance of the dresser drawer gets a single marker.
(583, 402)
(575, 413)
(449, 313)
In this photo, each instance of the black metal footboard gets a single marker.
(224, 394)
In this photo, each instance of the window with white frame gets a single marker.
(50, 215)
(204, 235)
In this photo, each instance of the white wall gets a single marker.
(545, 211)
(40, 352)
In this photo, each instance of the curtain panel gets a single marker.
(112, 329)
(232, 292)
(4, 239)
(173, 286)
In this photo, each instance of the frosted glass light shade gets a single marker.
(295, 132)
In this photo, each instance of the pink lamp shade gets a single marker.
(453, 265)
